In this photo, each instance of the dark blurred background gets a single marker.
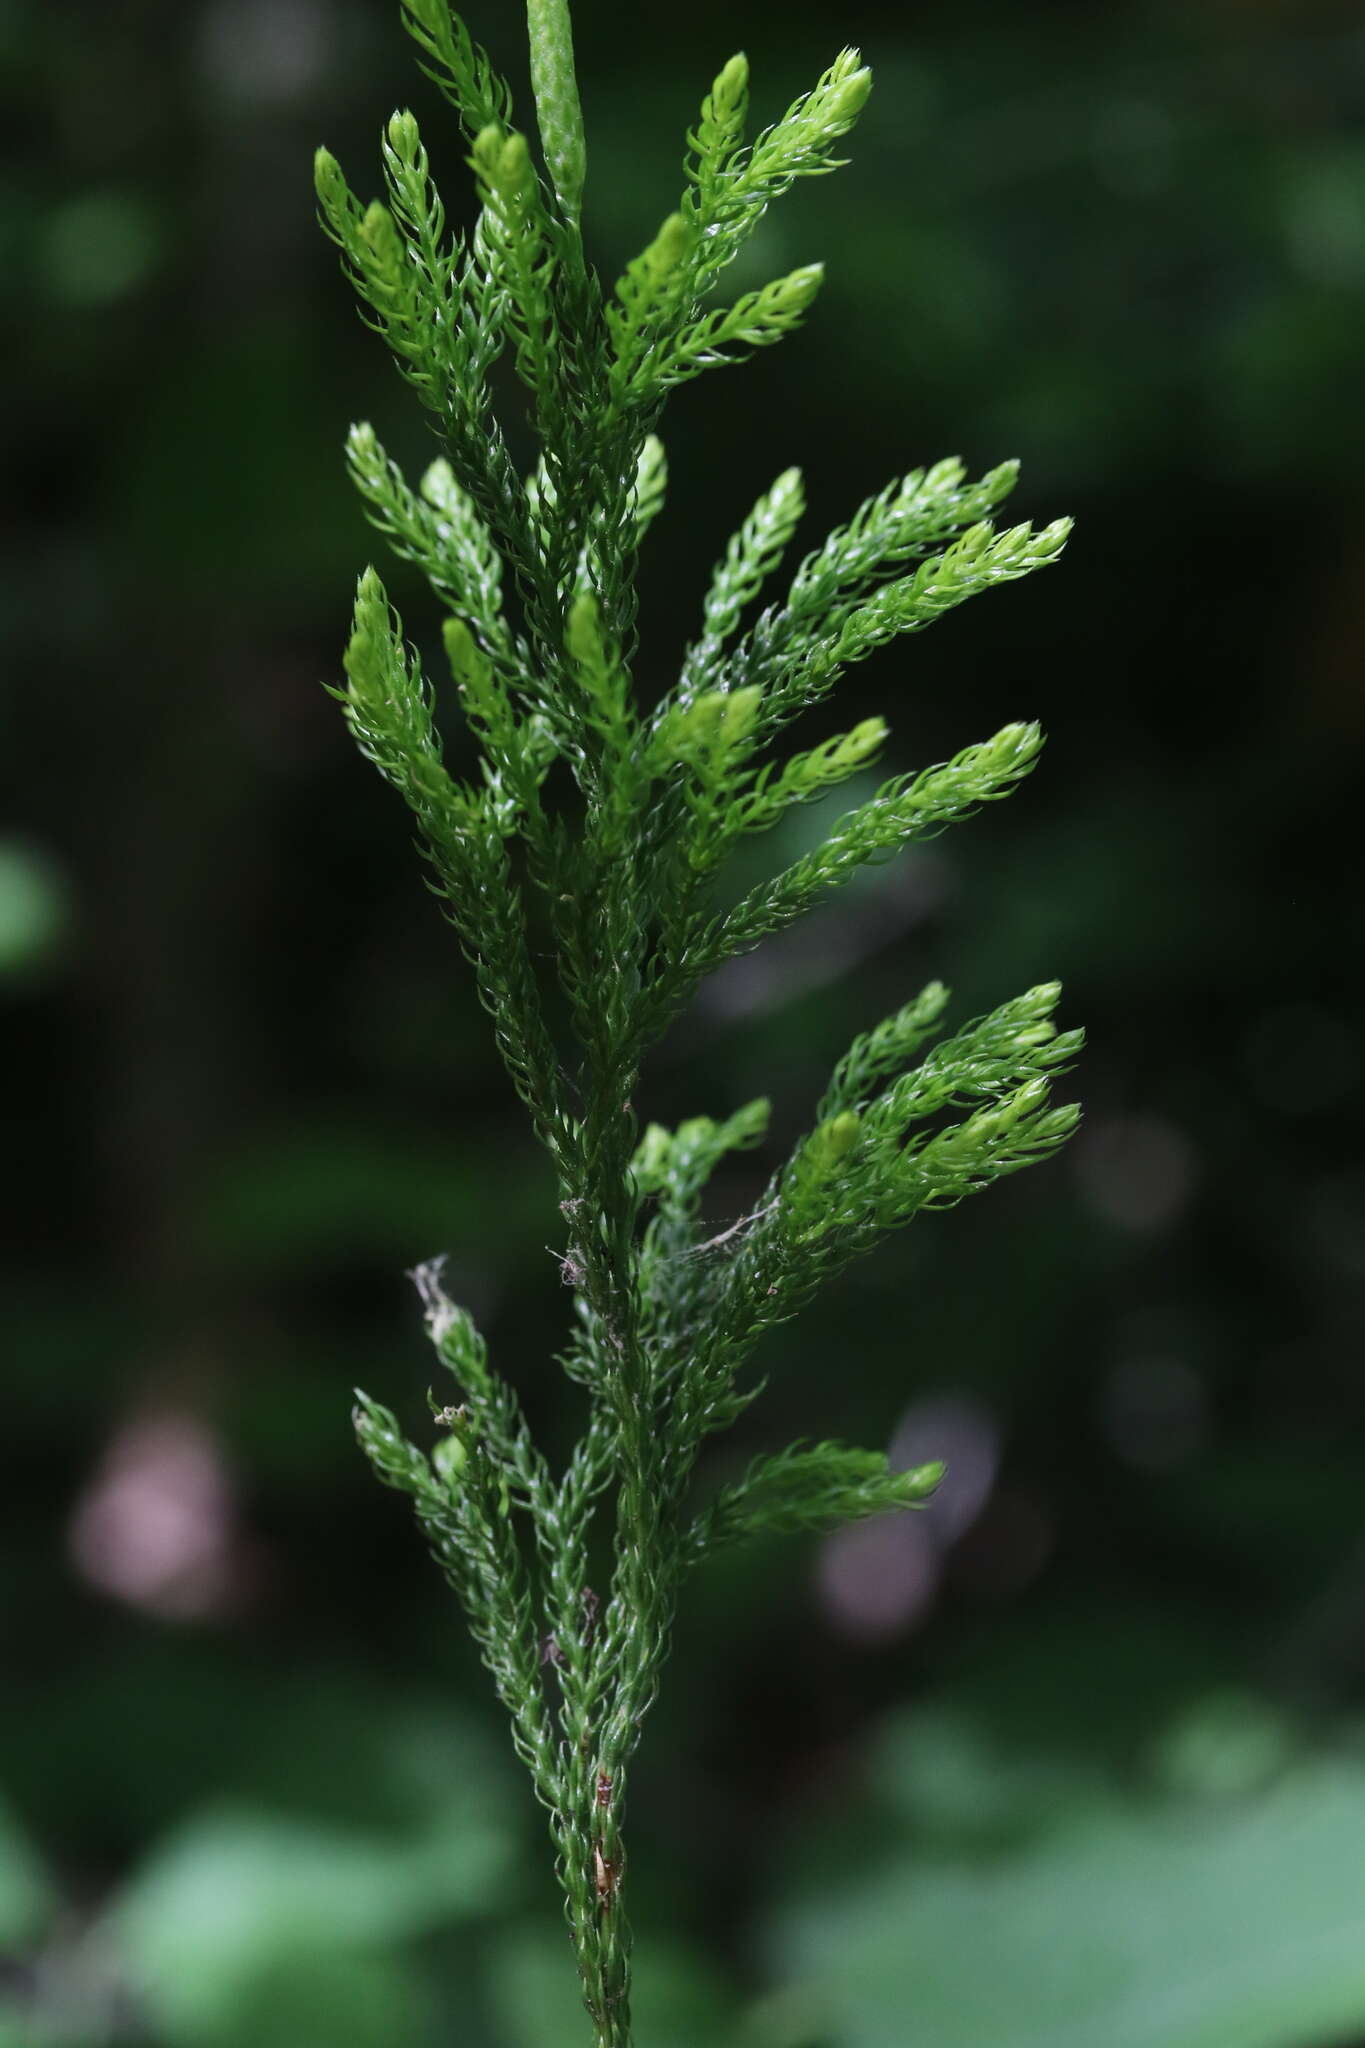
(1077, 1756)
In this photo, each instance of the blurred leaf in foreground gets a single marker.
(1233, 1923)
(242, 1914)
(26, 1894)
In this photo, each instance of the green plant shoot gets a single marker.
(535, 577)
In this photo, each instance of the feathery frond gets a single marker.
(535, 583)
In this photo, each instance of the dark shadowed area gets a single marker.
(1077, 1756)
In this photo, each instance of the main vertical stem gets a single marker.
(624, 1654)
(601, 1934)
(607, 1996)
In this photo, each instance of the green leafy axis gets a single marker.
(536, 579)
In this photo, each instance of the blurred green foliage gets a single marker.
(1103, 1775)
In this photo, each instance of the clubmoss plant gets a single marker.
(610, 869)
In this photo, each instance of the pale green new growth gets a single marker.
(801, 1489)
(536, 578)
(557, 111)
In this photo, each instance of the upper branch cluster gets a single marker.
(535, 577)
